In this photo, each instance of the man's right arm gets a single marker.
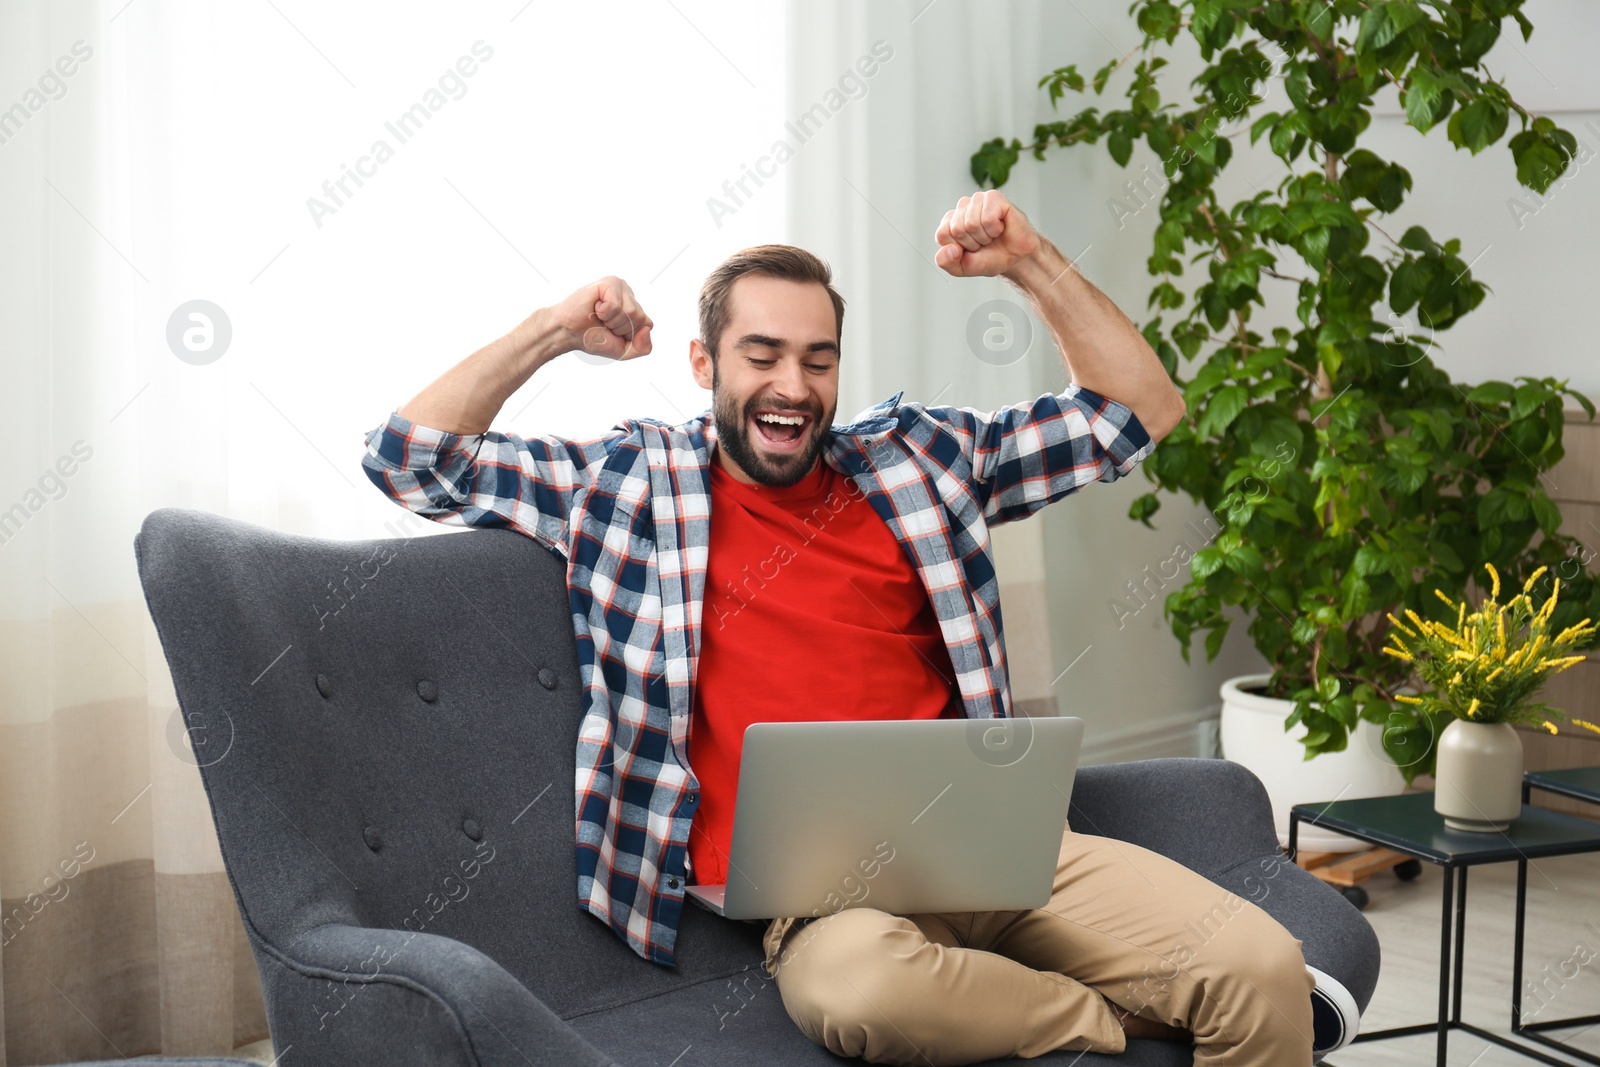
(437, 457)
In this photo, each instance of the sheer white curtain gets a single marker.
(232, 239)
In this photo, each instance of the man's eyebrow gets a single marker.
(776, 342)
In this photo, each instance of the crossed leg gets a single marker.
(1123, 923)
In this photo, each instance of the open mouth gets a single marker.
(781, 431)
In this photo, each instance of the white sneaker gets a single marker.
(1335, 1018)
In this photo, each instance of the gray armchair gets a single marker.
(386, 736)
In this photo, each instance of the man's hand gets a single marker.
(604, 319)
(984, 235)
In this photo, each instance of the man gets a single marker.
(853, 561)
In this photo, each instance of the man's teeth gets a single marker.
(783, 420)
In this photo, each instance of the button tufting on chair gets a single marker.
(547, 677)
(471, 828)
(373, 839)
(427, 691)
(324, 686)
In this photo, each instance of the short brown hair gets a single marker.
(774, 261)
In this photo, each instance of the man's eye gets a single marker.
(819, 367)
(763, 362)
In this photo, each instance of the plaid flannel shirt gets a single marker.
(630, 512)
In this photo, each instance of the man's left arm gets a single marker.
(985, 235)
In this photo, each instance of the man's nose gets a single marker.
(789, 383)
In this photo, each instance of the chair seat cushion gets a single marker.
(734, 1023)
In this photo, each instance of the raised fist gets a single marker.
(605, 319)
(984, 235)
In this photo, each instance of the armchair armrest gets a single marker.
(344, 994)
(1207, 814)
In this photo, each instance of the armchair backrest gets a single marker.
(386, 732)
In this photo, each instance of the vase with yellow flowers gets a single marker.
(1483, 673)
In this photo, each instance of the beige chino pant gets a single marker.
(963, 987)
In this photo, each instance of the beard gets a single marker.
(733, 434)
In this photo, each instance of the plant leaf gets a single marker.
(1478, 125)
(992, 162)
(1223, 407)
(1143, 507)
(1422, 95)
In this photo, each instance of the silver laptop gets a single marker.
(906, 816)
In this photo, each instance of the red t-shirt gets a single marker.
(812, 611)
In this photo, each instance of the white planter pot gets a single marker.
(1252, 734)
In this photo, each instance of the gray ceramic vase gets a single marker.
(1479, 776)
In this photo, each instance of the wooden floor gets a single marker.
(258, 1052)
(1562, 954)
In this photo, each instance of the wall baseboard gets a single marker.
(1190, 733)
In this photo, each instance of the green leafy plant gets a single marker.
(1380, 480)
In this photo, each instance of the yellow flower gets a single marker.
(1548, 725)
(1496, 651)
(1584, 724)
(1575, 631)
(1534, 577)
(1549, 605)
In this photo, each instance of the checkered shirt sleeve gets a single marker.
(487, 479)
(1036, 452)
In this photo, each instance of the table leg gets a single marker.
(1526, 1030)
(1461, 937)
(1518, 942)
(1444, 967)
(1294, 835)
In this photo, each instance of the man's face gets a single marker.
(778, 362)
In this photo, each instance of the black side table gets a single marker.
(1582, 783)
(1408, 824)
